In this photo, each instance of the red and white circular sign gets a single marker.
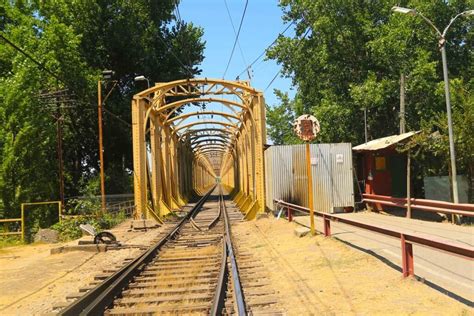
(306, 127)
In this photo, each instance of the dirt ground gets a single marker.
(322, 276)
(32, 281)
(311, 275)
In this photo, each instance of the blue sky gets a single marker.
(261, 26)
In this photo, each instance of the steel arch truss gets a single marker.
(176, 156)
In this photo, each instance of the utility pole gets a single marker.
(59, 135)
(56, 101)
(402, 103)
(101, 150)
(106, 75)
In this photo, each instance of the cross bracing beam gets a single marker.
(204, 122)
(182, 117)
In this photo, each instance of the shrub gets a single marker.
(68, 229)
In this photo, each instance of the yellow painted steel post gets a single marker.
(139, 155)
(101, 150)
(22, 223)
(259, 110)
(156, 166)
(310, 187)
(60, 208)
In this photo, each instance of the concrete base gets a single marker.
(88, 248)
(301, 231)
(143, 224)
(261, 215)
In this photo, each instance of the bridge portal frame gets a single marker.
(163, 138)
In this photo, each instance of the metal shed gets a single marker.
(331, 165)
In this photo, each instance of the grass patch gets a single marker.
(10, 241)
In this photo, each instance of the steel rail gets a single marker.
(238, 293)
(218, 301)
(101, 297)
(228, 253)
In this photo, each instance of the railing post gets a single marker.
(407, 258)
(290, 215)
(327, 226)
(22, 222)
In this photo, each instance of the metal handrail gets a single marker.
(423, 204)
(98, 299)
(407, 238)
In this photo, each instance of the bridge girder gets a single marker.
(185, 155)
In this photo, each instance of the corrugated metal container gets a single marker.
(331, 165)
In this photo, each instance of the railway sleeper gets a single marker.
(191, 298)
(160, 291)
(188, 270)
(154, 310)
(177, 276)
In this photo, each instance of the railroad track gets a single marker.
(191, 270)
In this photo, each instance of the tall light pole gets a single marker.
(106, 74)
(442, 46)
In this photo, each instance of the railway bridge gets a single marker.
(178, 153)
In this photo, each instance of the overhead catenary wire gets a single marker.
(238, 42)
(266, 49)
(279, 71)
(170, 49)
(236, 38)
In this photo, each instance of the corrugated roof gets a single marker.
(384, 142)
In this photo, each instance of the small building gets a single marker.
(286, 176)
(381, 168)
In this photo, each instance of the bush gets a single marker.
(68, 229)
(9, 241)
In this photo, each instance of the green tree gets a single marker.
(348, 55)
(76, 40)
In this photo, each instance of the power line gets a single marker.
(235, 34)
(27, 55)
(279, 71)
(175, 56)
(267, 48)
(236, 38)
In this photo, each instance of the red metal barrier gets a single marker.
(407, 239)
(422, 204)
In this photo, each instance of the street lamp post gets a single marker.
(442, 46)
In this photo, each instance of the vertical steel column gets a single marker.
(157, 165)
(139, 156)
(259, 112)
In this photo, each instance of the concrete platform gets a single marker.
(448, 273)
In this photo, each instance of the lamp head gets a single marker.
(402, 10)
(468, 13)
(140, 78)
(108, 74)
